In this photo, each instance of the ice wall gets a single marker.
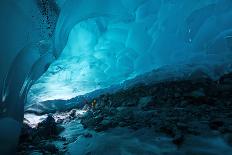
(26, 29)
(104, 42)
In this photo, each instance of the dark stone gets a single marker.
(216, 124)
(146, 102)
(183, 106)
(178, 139)
(27, 133)
(49, 128)
(228, 138)
(169, 130)
(87, 135)
(73, 113)
(226, 79)
(51, 148)
(197, 93)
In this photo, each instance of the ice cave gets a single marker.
(116, 77)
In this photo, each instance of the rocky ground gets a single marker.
(197, 106)
(36, 138)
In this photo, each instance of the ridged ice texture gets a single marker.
(104, 42)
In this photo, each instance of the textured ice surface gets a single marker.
(25, 54)
(23, 58)
(105, 42)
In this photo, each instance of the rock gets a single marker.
(178, 139)
(145, 102)
(87, 135)
(86, 107)
(197, 93)
(91, 122)
(122, 124)
(106, 122)
(59, 121)
(130, 103)
(183, 103)
(27, 133)
(169, 130)
(73, 113)
(226, 79)
(144, 116)
(228, 139)
(49, 128)
(198, 74)
(169, 107)
(61, 138)
(48, 121)
(51, 148)
(216, 124)
(177, 94)
(124, 113)
(182, 126)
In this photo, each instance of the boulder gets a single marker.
(145, 102)
(197, 93)
(49, 128)
(73, 113)
(216, 124)
(87, 135)
(50, 148)
(178, 139)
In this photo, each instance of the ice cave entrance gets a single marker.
(96, 56)
(108, 42)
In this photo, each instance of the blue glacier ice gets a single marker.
(26, 52)
(94, 44)
(105, 42)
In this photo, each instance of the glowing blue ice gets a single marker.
(105, 42)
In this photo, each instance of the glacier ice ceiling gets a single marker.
(104, 42)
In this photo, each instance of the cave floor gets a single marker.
(184, 117)
(77, 140)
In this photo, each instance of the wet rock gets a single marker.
(50, 148)
(173, 107)
(124, 113)
(197, 93)
(216, 124)
(145, 102)
(228, 139)
(178, 139)
(144, 116)
(87, 135)
(49, 128)
(226, 79)
(27, 133)
(130, 103)
(59, 121)
(183, 127)
(122, 124)
(73, 113)
(61, 138)
(169, 130)
(106, 122)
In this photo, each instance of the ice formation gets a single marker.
(26, 52)
(104, 42)
(99, 43)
